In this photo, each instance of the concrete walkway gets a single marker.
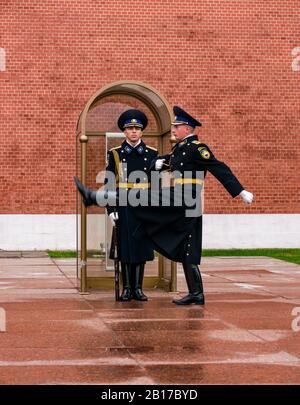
(244, 334)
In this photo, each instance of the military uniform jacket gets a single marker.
(130, 249)
(174, 235)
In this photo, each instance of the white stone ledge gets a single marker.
(227, 231)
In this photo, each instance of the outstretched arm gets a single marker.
(221, 172)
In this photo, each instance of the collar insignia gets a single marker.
(128, 149)
(140, 149)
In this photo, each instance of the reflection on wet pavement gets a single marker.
(244, 333)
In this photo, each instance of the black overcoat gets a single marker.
(174, 234)
(131, 249)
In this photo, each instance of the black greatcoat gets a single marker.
(174, 235)
(131, 249)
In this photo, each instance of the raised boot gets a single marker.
(126, 273)
(195, 286)
(88, 196)
(137, 281)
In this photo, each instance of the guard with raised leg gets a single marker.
(174, 234)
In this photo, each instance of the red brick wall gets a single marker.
(226, 62)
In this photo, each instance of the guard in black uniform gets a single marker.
(131, 156)
(173, 234)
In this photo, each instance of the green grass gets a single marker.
(61, 253)
(289, 255)
(71, 253)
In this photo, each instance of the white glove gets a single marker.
(159, 164)
(246, 196)
(113, 217)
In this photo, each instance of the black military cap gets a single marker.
(182, 117)
(132, 118)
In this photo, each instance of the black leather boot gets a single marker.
(88, 196)
(195, 286)
(137, 281)
(126, 275)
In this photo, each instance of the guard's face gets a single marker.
(180, 131)
(133, 134)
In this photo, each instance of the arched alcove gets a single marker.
(97, 132)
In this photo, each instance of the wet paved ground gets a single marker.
(244, 334)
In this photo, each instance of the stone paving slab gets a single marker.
(18, 254)
(243, 335)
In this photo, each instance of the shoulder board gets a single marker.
(196, 142)
(117, 147)
(150, 147)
